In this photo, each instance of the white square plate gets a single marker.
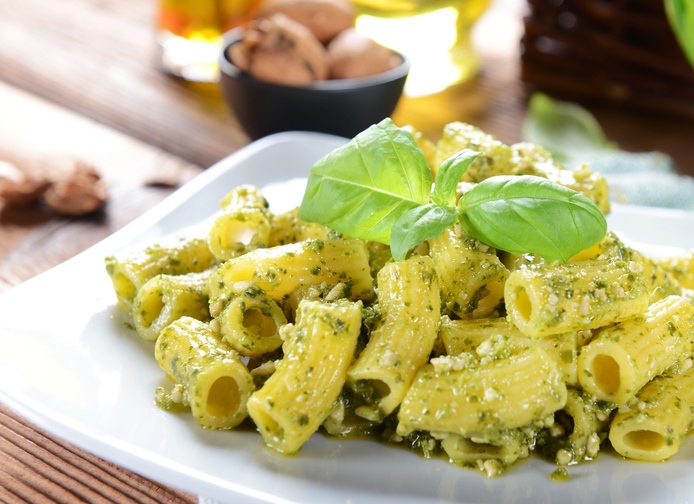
(69, 364)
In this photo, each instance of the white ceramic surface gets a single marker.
(69, 364)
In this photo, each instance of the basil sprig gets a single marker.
(378, 187)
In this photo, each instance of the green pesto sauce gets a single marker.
(560, 475)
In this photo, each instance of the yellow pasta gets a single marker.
(481, 336)
(574, 296)
(244, 196)
(251, 322)
(681, 267)
(288, 228)
(459, 395)
(130, 272)
(481, 355)
(497, 158)
(623, 357)
(166, 298)
(577, 431)
(472, 277)
(208, 374)
(659, 421)
(301, 393)
(281, 270)
(409, 306)
(238, 230)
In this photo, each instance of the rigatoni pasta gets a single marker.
(410, 307)
(208, 374)
(625, 356)
(301, 393)
(481, 356)
(660, 420)
(166, 298)
(574, 296)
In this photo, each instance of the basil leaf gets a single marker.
(448, 176)
(566, 129)
(521, 214)
(417, 225)
(362, 188)
(680, 14)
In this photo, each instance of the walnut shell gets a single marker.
(80, 193)
(282, 51)
(17, 186)
(352, 55)
(325, 18)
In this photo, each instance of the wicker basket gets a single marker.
(615, 51)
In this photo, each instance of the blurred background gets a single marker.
(102, 59)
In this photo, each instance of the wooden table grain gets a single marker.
(79, 80)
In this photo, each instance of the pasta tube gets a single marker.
(237, 231)
(409, 304)
(494, 158)
(244, 196)
(472, 277)
(659, 423)
(250, 323)
(660, 281)
(577, 430)
(166, 298)
(215, 382)
(301, 393)
(455, 395)
(574, 296)
(129, 273)
(482, 335)
(281, 270)
(681, 267)
(288, 228)
(623, 357)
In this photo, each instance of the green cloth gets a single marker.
(643, 178)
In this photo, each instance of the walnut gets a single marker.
(352, 55)
(280, 50)
(78, 193)
(325, 18)
(21, 186)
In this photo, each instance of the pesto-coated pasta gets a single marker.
(472, 277)
(208, 374)
(497, 158)
(577, 430)
(244, 196)
(130, 272)
(660, 420)
(681, 267)
(625, 356)
(574, 296)
(281, 270)
(166, 298)
(410, 308)
(463, 396)
(301, 393)
(460, 350)
(251, 322)
(237, 231)
(483, 336)
(288, 228)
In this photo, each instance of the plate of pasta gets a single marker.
(214, 336)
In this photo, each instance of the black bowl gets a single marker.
(341, 107)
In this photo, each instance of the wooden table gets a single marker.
(79, 79)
